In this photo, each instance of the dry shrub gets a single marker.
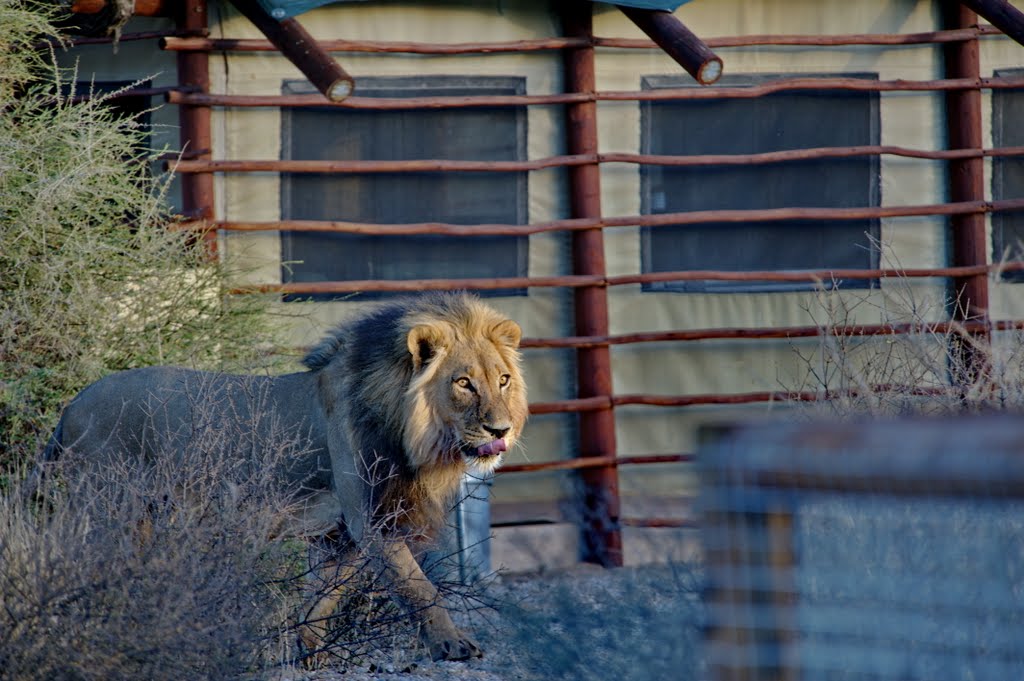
(157, 569)
(93, 279)
(931, 367)
(175, 561)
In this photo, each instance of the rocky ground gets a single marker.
(582, 623)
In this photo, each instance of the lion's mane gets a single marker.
(405, 446)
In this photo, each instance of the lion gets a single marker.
(426, 388)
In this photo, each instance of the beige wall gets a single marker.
(910, 120)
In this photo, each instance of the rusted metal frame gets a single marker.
(301, 49)
(658, 94)
(547, 44)
(648, 220)
(602, 537)
(761, 333)
(1002, 14)
(197, 189)
(588, 281)
(442, 166)
(678, 42)
(967, 183)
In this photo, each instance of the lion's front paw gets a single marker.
(460, 647)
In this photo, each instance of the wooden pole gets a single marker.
(602, 537)
(966, 183)
(301, 49)
(537, 44)
(1003, 16)
(197, 194)
(655, 95)
(678, 42)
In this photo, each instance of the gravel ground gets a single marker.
(582, 623)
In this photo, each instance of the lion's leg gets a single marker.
(443, 639)
(330, 579)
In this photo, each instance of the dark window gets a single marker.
(1008, 174)
(125, 105)
(776, 122)
(483, 134)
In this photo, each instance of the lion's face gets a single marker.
(467, 400)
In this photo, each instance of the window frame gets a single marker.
(1000, 220)
(414, 86)
(662, 81)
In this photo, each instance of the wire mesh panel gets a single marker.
(865, 551)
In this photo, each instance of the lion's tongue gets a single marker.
(491, 448)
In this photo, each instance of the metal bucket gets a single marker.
(463, 551)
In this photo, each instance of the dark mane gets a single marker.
(379, 324)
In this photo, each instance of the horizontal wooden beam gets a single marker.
(441, 166)
(301, 49)
(550, 44)
(678, 42)
(606, 401)
(595, 462)
(658, 94)
(655, 220)
(582, 280)
(764, 333)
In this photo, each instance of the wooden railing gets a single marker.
(598, 459)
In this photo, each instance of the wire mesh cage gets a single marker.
(865, 551)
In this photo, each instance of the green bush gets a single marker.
(92, 278)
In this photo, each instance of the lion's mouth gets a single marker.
(489, 449)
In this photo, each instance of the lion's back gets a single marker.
(154, 411)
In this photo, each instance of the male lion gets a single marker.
(423, 389)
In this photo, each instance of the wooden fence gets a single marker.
(596, 401)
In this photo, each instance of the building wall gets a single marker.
(906, 119)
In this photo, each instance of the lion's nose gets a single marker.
(497, 431)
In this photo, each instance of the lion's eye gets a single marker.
(464, 383)
(504, 379)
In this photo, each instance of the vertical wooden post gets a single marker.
(966, 180)
(197, 194)
(602, 538)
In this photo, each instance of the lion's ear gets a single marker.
(424, 342)
(508, 333)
